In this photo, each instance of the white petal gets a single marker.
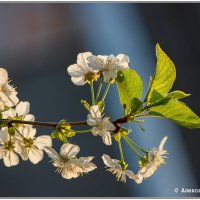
(75, 70)
(69, 150)
(109, 75)
(21, 150)
(4, 136)
(91, 120)
(108, 161)
(96, 131)
(43, 141)
(29, 117)
(106, 137)
(13, 100)
(78, 80)
(28, 132)
(82, 59)
(130, 174)
(51, 153)
(95, 62)
(95, 112)
(139, 178)
(3, 76)
(162, 143)
(9, 114)
(123, 61)
(23, 108)
(10, 159)
(68, 174)
(1, 152)
(35, 155)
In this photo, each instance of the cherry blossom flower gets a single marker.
(80, 72)
(67, 163)
(8, 94)
(117, 169)
(7, 149)
(20, 112)
(101, 126)
(109, 65)
(30, 147)
(156, 157)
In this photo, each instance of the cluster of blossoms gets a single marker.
(18, 136)
(88, 69)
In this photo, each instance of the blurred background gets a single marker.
(38, 41)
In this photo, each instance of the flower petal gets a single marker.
(9, 113)
(106, 137)
(23, 108)
(69, 150)
(75, 70)
(130, 174)
(51, 153)
(35, 155)
(69, 174)
(3, 76)
(4, 136)
(82, 59)
(43, 141)
(10, 159)
(78, 80)
(162, 143)
(108, 161)
(29, 117)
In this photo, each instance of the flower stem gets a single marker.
(99, 90)
(136, 145)
(82, 131)
(19, 133)
(121, 151)
(92, 92)
(106, 91)
(133, 148)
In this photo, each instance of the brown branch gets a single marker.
(46, 124)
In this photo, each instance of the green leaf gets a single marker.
(177, 94)
(165, 74)
(178, 112)
(85, 104)
(56, 134)
(101, 105)
(129, 86)
(136, 105)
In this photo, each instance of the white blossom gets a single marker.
(30, 147)
(21, 112)
(109, 65)
(156, 157)
(115, 168)
(67, 163)
(101, 126)
(7, 149)
(8, 94)
(80, 72)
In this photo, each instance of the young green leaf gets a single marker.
(129, 86)
(164, 76)
(85, 104)
(136, 105)
(178, 112)
(101, 105)
(177, 94)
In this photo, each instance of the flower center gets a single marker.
(90, 76)
(28, 142)
(9, 145)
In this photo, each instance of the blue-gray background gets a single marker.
(38, 41)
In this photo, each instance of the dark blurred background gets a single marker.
(38, 41)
